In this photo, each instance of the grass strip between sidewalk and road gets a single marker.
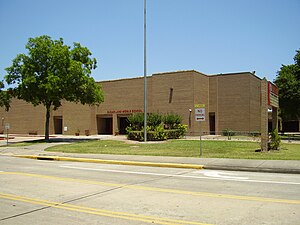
(182, 148)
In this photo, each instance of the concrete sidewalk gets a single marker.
(37, 152)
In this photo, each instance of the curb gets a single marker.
(253, 169)
(104, 161)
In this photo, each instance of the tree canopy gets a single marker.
(52, 72)
(4, 97)
(288, 82)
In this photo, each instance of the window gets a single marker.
(171, 95)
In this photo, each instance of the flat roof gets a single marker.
(236, 73)
(179, 71)
(184, 71)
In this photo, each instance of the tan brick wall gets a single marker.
(201, 96)
(23, 117)
(78, 117)
(234, 98)
(213, 99)
(126, 94)
(213, 94)
(264, 115)
(188, 88)
(255, 85)
(182, 96)
(122, 98)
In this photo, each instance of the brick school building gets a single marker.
(231, 101)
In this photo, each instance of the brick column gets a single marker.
(93, 123)
(115, 123)
(274, 118)
(264, 114)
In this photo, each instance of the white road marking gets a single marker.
(218, 174)
(216, 177)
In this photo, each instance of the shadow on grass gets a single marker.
(52, 140)
(70, 140)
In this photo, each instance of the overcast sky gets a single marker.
(210, 36)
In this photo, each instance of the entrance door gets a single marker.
(212, 123)
(104, 125)
(58, 124)
(123, 124)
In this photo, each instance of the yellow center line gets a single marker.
(100, 212)
(164, 190)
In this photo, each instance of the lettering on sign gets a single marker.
(125, 111)
(200, 111)
(273, 99)
(200, 114)
(199, 105)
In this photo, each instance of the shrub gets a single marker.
(172, 120)
(228, 132)
(174, 134)
(135, 135)
(151, 135)
(157, 129)
(154, 120)
(136, 121)
(159, 133)
(274, 141)
(177, 133)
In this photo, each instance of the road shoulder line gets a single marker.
(119, 162)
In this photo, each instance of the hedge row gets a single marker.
(169, 121)
(160, 135)
(159, 127)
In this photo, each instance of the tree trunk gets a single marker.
(47, 123)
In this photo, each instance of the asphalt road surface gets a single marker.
(52, 192)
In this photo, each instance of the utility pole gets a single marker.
(145, 74)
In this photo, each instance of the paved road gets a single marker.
(51, 192)
(278, 166)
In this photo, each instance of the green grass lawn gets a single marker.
(24, 143)
(183, 148)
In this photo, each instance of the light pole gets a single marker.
(145, 74)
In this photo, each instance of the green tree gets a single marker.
(275, 140)
(52, 72)
(5, 97)
(288, 82)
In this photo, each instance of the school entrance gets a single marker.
(58, 124)
(104, 124)
(122, 124)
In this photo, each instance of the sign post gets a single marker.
(200, 117)
(7, 127)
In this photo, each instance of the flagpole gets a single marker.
(145, 74)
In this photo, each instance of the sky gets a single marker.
(210, 36)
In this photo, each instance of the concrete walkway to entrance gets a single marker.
(36, 151)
